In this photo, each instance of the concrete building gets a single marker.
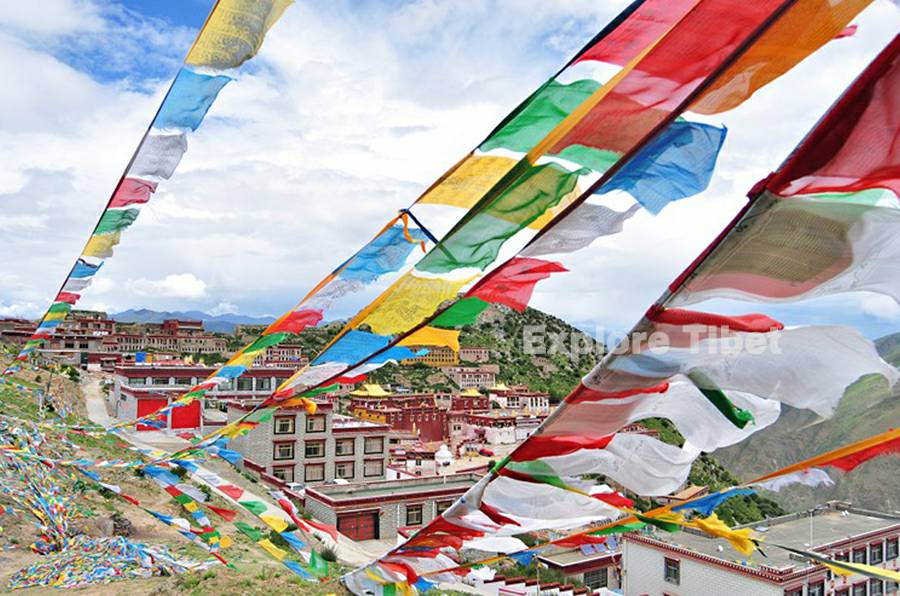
(595, 566)
(295, 446)
(474, 377)
(519, 398)
(141, 389)
(437, 356)
(378, 510)
(477, 355)
(690, 564)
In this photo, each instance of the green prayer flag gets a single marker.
(538, 471)
(463, 312)
(266, 341)
(543, 112)
(477, 242)
(262, 415)
(114, 220)
(256, 507)
(58, 307)
(320, 390)
(317, 565)
(737, 416)
(664, 525)
(598, 160)
(619, 529)
(252, 533)
(389, 590)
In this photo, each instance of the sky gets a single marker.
(348, 112)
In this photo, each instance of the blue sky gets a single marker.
(348, 112)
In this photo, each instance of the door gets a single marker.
(187, 416)
(148, 406)
(361, 525)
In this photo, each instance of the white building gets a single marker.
(690, 564)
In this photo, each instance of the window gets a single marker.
(794, 592)
(263, 384)
(876, 553)
(314, 472)
(859, 556)
(890, 588)
(374, 445)
(315, 424)
(817, 589)
(314, 448)
(841, 557)
(413, 515)
(245, 384)
(344, 469)
(373, 468)
(344, 447)
(891, 549)
(183, 381)
(672, 571)
(283, 451)
(442, 506)
(284, 425)
(596, 578)
(876, 587)
(283, 473)
(859, 589)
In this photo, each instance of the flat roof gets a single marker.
(829, 524)
(394, 488)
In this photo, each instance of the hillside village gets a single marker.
(425, 428)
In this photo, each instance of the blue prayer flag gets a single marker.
(676, 164)
(189, 99)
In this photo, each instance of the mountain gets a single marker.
(216, 323)
(867, 408)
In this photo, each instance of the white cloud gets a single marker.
(880, 306)
(344, 117)
(180, 285)
(223, 308)
(21, 310)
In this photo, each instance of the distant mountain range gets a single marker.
(216, 323)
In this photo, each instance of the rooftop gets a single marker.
(393, 489)
(828, 524)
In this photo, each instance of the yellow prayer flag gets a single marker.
(273, 521)
(739, 539)
(235, 32)
(272, 549)
(243, 358)
(406, 303)
(225, 542)
(432, 336)
(464, 186)
(55, 316)
(101, 245)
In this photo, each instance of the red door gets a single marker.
(148, 406)
(187, 416)
(362, 525)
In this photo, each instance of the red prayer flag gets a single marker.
(539, 446)
(513, 283)
(131, 191)
(855, 146)
(295, 322)
(67, 297)
(226, 514)
(848, 462)
(231, 490)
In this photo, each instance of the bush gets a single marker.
(328, 554)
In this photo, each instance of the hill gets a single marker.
(868, 407)
(532, 348)
(216, 323)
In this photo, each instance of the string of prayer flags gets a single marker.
(233, 33)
